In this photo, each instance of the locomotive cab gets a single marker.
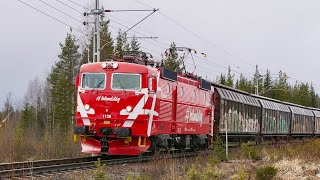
(112, 106)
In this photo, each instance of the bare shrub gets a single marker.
(266, 173)
(250, 152)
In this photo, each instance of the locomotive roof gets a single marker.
(122, 66)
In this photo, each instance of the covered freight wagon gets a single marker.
(237, 112)
(302, 122)
(275, 118)
(316, 113)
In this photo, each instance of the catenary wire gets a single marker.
(196, 35)
(69, 6)
(60, 11)
(51, 17)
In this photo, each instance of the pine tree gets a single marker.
(61, 79)
(172, 60)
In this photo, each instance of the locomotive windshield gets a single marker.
(124, 81)
(93, 81)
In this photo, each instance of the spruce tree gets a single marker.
(134, 44)
(119, 45)
(106, 49)
(62, 79)
(126, 45)
(267, 84)
(230, 78)
(243, 83)
(281, 89)
(295, 93)
(172, 60)
(27, 120)
(8, 107)
(304, 95)
(106, 45)
(313, 96)
(222, 79)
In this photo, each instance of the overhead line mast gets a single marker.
(96, 29)
(96, 38)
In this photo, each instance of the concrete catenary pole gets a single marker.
(96, 36)
(257, 80)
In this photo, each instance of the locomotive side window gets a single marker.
(167, 88)
(193, 97)
(126, 81)
(181, 91)
(95, 81)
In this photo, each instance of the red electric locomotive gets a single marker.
(129, 106)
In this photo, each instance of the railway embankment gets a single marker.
(300, 160)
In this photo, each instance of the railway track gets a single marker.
(50, 167)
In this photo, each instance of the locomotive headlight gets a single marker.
(104, 65)
(87, 107)
(129, 109)
(115, 65)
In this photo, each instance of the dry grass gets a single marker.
(298, 161)
(32, 146)
(307, 150)
(297, 169)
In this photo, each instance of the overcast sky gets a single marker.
(279, 35)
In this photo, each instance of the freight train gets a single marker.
(132, 105)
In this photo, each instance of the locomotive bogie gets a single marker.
(179, 142)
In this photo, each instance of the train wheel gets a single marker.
(182, 149)
(168, 151)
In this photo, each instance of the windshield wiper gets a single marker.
(122, 86)
(97, 86)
